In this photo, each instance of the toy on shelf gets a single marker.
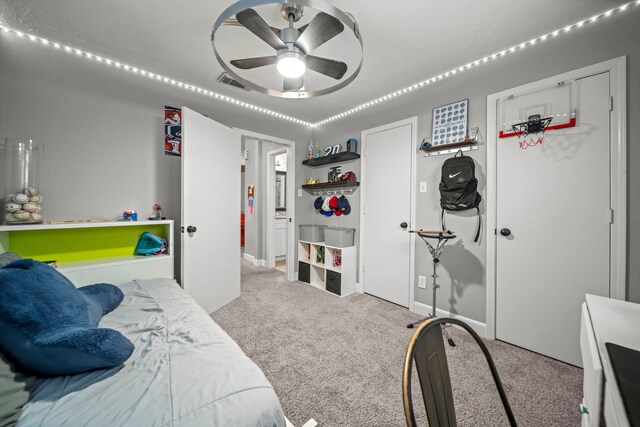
(157, 212)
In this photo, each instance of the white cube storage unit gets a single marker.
(328, 268)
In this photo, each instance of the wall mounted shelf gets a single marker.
(450, 149)
(340, 187)
(332, 158)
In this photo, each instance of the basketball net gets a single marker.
(532, 142)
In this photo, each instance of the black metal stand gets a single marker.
(443, 237)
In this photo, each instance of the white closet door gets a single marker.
(386, 245)
(210, 203)
(554, 198)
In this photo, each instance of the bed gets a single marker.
(185, 371)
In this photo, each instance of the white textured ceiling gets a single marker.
(404, 41)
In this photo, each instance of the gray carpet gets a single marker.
(340, 361)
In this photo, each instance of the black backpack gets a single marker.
(459, 187)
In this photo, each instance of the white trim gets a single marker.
(250, 258)
(617, 69)
(413, 121)
(425, 310)
(271, 205)
(359, 288)
(619, 176)
(253, 260)
(291, 207)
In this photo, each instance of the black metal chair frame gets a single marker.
(408, 366)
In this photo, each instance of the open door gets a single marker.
(210, 211)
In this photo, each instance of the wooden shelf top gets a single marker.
(332, 158)
(337, 185)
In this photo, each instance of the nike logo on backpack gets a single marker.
(453, 176)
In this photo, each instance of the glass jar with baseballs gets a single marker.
(21, 169)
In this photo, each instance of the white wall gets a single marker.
(464, 264)
(103, 131)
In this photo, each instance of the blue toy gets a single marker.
(48, 326)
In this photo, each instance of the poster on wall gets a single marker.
(172, 131)
(450, 123)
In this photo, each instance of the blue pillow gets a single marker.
(48, 326)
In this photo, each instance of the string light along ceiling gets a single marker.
(193, 88)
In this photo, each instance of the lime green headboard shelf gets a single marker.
(79, 244)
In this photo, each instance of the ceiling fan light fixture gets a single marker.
(291, 64)
(300, 72)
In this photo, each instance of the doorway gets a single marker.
(276, 228)
(387, 259)
(558, 210)
(258, 191)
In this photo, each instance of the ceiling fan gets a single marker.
(293, 45)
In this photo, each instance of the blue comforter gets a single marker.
(185, 371)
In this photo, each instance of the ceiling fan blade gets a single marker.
(249, 63)
(254, 23)
(328, 67)
(322, 27)
(293, 83)
(234, 23)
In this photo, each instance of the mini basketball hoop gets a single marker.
(535, 124)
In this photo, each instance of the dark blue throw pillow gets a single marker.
(48, 326)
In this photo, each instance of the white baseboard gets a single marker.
(425, 310)
(254, 261)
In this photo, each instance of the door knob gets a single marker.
(404, 225)
(505, 232)
(191, 229)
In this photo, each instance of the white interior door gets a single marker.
(210, 203)
(554, 198)
(387, 203)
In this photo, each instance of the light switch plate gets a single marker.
(422, 282)
(423, 186)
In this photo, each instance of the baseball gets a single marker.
(10, 218)
(11, 207)
(21, 215)
(36, 217)
(35, 199)
(29, 207)
(37, 209)
(32, 191)
(21, 198)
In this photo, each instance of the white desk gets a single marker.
(605, 320)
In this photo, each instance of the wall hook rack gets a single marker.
(333, 192)
(338, 187)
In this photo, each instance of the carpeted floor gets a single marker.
(339, 360)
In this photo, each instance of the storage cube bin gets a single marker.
(339, 237)
(312, 233)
